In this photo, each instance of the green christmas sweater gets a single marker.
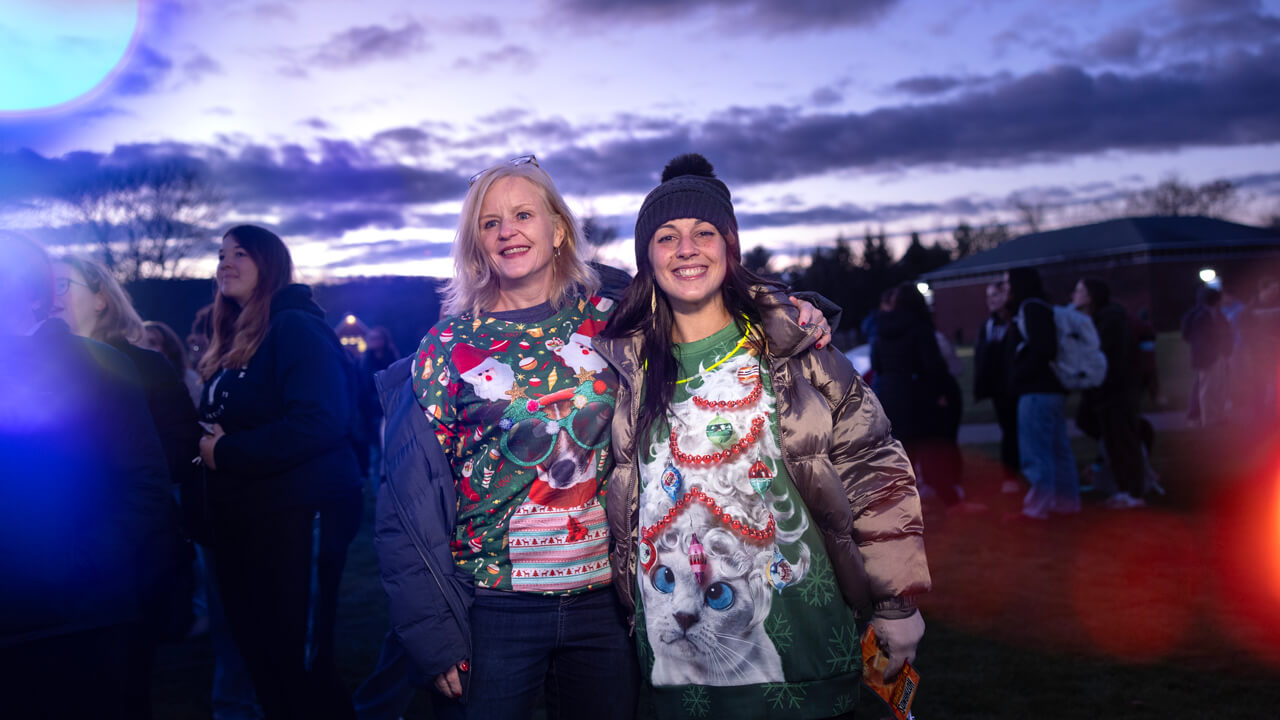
(522, 406)
(738, 613)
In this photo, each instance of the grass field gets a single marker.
(1167, 612)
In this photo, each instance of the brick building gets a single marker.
(1150, 262)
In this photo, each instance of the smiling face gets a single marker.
(689, 258)
(519, 235)
(237, 272)
(74, 301)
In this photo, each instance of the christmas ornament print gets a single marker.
(780, 571)
(697, 559)
(647, 555)
(721, 433)
(749, 374)
(760, 476)
(672, 482)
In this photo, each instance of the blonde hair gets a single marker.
(118, 322)
(474, 286)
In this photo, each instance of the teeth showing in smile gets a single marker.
(690, 272)
(509, 252)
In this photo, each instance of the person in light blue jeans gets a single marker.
(1045, 453)
(1047, 460)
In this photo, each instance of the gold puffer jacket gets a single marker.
(855, 479)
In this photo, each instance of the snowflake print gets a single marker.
(695, 701)
(783, 696)
(843, 704)
(820, 586)
(779, 630)
(844, 652)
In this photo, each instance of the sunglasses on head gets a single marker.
(513, 162)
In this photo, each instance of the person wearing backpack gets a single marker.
(1109, 412)
(1043, 449)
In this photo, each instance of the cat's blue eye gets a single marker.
(664, 580)
(719, 596)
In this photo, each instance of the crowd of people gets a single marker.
(674, 483)
(586, 490)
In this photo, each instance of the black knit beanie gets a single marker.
(689, 189)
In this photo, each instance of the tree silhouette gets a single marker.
(757, 260)
(145, 221)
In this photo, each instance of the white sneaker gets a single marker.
(1123, 501)
(1118, 501)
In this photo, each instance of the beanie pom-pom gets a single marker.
(688, 164)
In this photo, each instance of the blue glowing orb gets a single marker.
(53, 52)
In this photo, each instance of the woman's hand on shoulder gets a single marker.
(810, 315)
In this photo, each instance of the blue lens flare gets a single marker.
(57, 51)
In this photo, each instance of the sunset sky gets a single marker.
(351, 126)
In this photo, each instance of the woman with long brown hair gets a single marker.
(283, 485)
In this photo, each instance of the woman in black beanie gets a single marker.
(759, 503)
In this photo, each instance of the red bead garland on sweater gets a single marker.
(695, 494)
(737, 448)
(751, 397)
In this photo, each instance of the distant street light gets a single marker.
(1208, 275)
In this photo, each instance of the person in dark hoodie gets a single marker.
(283, 484)
(920, 395)
(83, 502)
(1043, 448)
(94, 305)
(1109, 412)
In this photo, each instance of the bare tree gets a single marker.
(969, 240)
(1172, 196)
(1030, 214)
(757, 259)
(597, 234)
(146, 221)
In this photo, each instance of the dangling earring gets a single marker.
(653, 301)
(557, 251)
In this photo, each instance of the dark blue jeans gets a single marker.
(574, 649)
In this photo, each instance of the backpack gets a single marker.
(1080, 364)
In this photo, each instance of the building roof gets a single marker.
(1123, 236)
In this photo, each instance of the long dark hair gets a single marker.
(908, 301)
(1024, 284)
(645, 311)
(238, 331)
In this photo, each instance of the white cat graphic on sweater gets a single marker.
(712, 632)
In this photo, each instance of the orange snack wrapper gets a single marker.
(899, 695)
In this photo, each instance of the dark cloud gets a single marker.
(1123, 45)
(826, 97)
(335, 223)
(1198, 8)
(370, 43)
(144, 72)
(485, 25)
(315, 123)
(1053, 114)
(761, 15)
(274, 11)
(256, 179)
(928, 84)
(393, 251)
(515, 57)
(196, 68)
